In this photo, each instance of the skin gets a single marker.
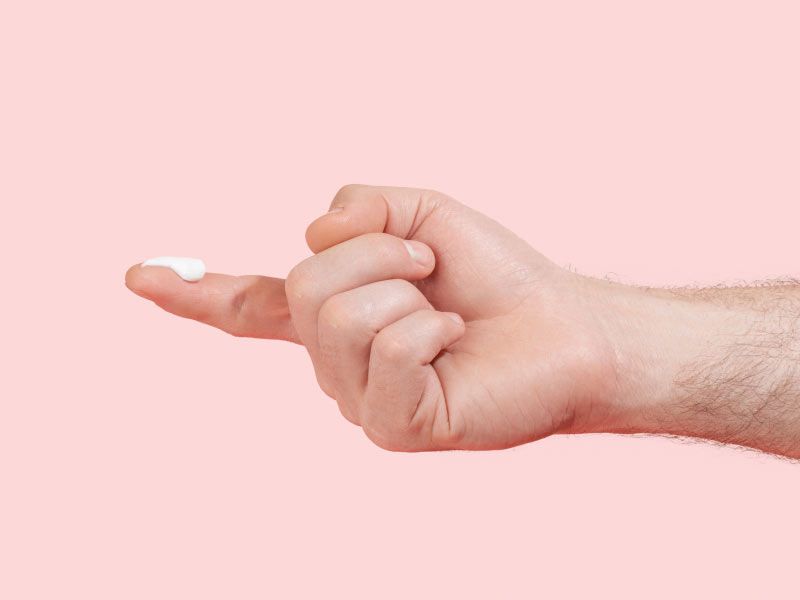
(434, 327)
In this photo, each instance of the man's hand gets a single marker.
(434, 327)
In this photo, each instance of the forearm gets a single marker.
(721, 364)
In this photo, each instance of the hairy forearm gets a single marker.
(719, 363)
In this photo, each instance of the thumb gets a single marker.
(359, 209)
(244, 306)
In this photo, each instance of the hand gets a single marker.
(434, 328)
(475, 341)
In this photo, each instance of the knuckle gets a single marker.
(429, 194)
(327, 388)
(411, 294)
(436, 199)
(348, 413)
(336, 313)
(391, 440)
(241, 313)
(432, 195)
(391, 348)
(299, 282)
(325, 384)
(347, 191)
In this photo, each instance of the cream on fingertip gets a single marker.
(188, 269)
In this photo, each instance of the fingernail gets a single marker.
(419, 252)
(188, 269)
(456, 317)
(334, 209)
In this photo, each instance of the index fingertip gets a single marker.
(132, 277)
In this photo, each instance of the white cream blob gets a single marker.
(189, 269)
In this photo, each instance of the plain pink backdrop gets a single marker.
(145, 456)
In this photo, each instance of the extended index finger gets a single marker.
(246, 306)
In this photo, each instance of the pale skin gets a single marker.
(434, 327)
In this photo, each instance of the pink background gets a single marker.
(145, 456)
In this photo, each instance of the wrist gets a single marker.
(721, 364)
(654, 335)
